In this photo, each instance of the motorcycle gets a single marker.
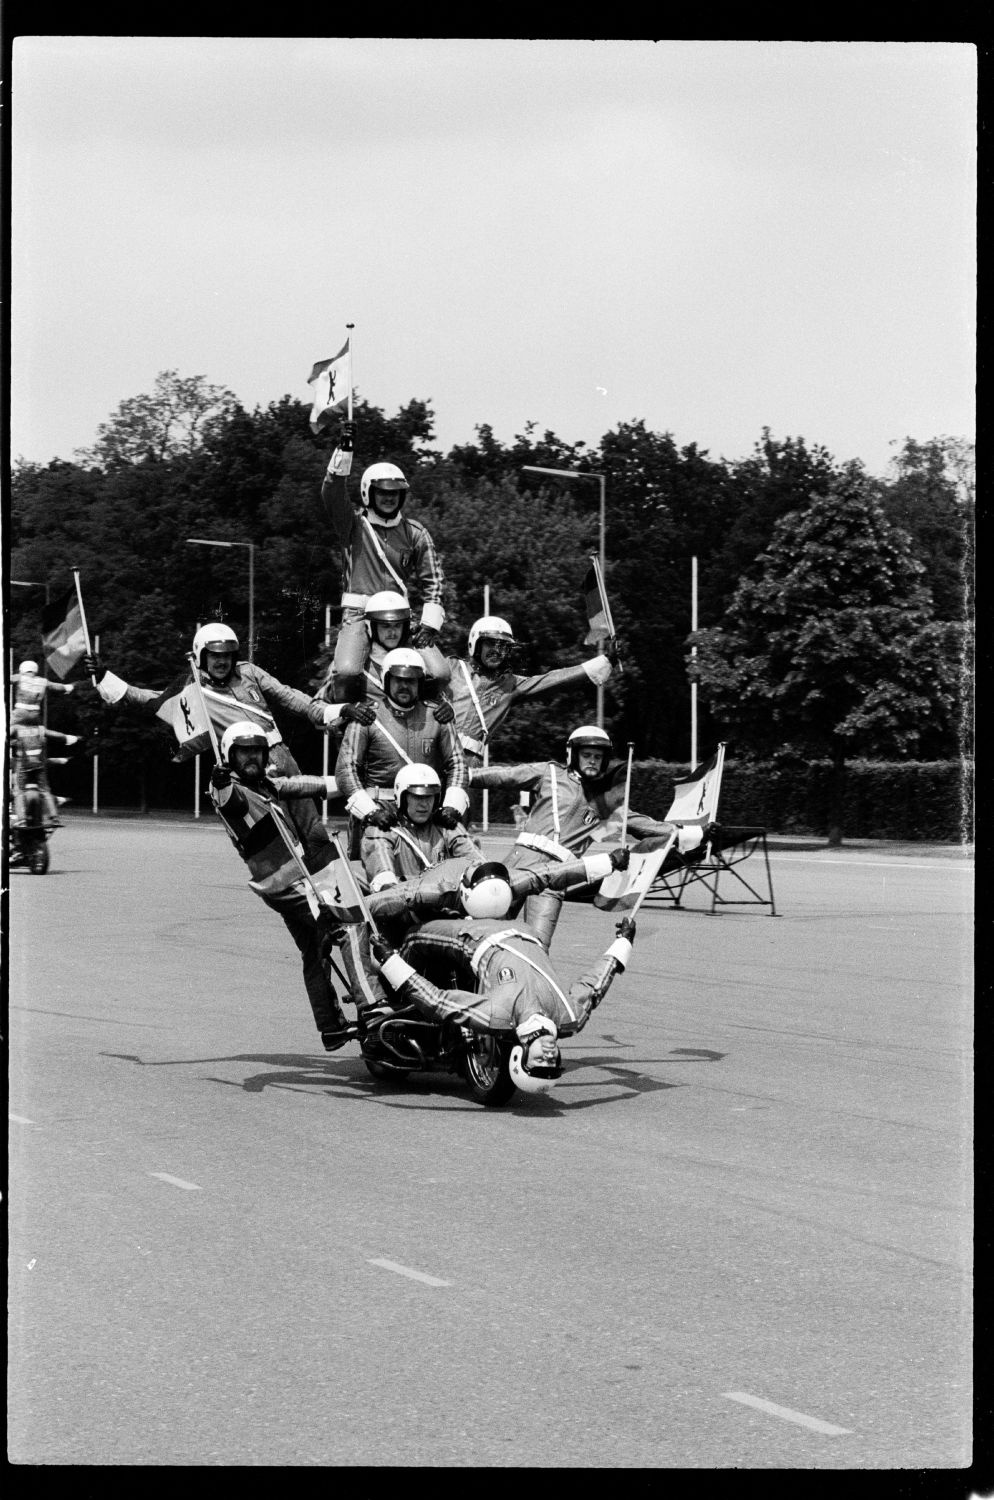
(411, 1043)
(29, 838)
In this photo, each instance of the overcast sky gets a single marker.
(711, 236)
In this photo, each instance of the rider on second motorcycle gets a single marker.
(28, 739)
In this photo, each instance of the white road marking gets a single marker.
(191, 1187)
(391, 1265)
(20, 1119)
(815, 1423)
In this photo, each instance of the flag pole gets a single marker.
(203, 705)
(642, 894)
(96, 758)
(486, 745)
(603, 593)
(324, 747)
(360, 898)
(628, 788)
(693, 657)
(350, 327)
(82, 620)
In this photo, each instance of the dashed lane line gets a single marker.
(190, 1187)
(787, 1414)
(391, 1265)
(20, 1119)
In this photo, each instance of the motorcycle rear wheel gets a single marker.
(485, 1069)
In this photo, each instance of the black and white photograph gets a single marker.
(488, 896)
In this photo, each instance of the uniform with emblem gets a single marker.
(415, 842)
(247, 812)
(382, 549)
(483, 689)
(402, 733)
(567, 813)
(246, 685)
(388, 621)
(399, 909)
(515, 977)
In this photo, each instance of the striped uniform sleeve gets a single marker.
(456, 771)
(597, 670)
(525, 777)
(351, 757)
(430, 577)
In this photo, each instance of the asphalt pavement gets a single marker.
(737, 1235)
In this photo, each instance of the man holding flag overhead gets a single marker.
(382, 549)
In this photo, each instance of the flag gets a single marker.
(623, 889)
(696, 799)
(332, 382)
(179, 707)
(597, 615)
(329, 886)
(62, 635)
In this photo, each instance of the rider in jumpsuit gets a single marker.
(382, 548)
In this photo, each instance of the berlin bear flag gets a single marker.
(183, 709)
(62, 635)
(332, 382)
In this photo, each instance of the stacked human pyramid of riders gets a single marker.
(413, 726)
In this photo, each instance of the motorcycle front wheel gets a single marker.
(38, 857)
(485, 1068)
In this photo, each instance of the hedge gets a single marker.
(924, 801)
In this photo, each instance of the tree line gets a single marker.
(835, 609)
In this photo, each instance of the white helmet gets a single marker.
(402, 661)
(587, 737)
(489, 628)
(245, 735)
(416, 778)
(388, 605)
(382, 477)
(485, 890)
(214, 637)
(535, 1070)
(28, 668)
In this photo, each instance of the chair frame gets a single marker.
(668, 888)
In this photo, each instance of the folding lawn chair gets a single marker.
(721, 852)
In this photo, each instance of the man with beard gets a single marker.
(249, 795)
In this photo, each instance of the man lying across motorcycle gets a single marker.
(442, 890)
(244, 786)
(416, 841)
(517, 989)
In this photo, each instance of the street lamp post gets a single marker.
(583, 474)
(199, 541)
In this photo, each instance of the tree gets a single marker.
(832, 650)
(931, 495)
(169, 422)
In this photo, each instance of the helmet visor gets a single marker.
(392, 486)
